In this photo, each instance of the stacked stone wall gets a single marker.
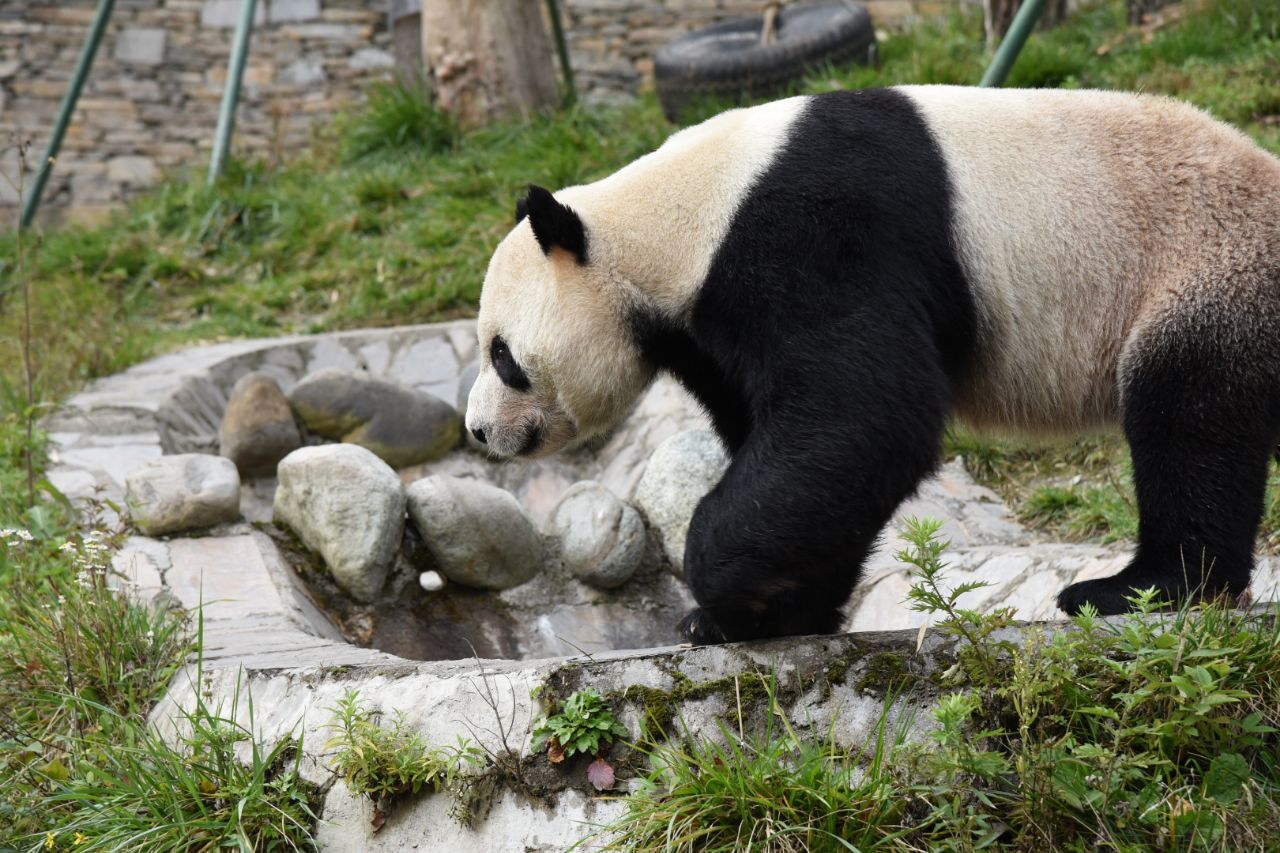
(151, 101)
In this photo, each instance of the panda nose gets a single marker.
(479, 434)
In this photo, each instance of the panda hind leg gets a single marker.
(1202, 426)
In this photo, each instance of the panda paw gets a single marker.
(1107, 597)
(700, 628)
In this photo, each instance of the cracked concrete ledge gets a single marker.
(830, 684)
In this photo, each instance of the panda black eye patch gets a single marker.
(508, 371)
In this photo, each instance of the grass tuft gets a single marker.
(398, 119)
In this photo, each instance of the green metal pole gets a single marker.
(562, 49)
(32, 203)
(1011, 45)
(231, 93)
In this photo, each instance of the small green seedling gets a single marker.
(583, 725)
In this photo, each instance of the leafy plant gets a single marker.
(980, 656)
(583, 725)
(1147, 731)
(386, 763)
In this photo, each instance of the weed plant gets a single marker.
(389, 762)
(1157, 731)
(775, 792)
(583, 725)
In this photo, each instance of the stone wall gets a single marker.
(151, 101)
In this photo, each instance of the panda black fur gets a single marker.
(834, 276)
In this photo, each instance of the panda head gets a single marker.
(558, 363)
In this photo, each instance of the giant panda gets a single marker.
(834, 276)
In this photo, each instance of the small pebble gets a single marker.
(431, 581)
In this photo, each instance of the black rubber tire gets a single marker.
(726, 61)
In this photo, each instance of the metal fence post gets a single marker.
(231, 92)
(32, 201)
(1011, 45)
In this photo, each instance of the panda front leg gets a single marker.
(777, 546)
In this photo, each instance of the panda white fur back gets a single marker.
(1069, 201)
(834, 275)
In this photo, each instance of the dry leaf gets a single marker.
(379, 818)
(555, 752)
(601, 774)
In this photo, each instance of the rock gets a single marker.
(370, 57)
(304, 72)
(467, 379)
(291, 11)
(478, 534)
(225, 14)
(346, 504)
(258, 429)
(188, 491)
(681, 471)
(140, 46)
(403, 426)
(131, 169)
(431, 581)
(602, 538)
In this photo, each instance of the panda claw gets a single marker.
(700, 629)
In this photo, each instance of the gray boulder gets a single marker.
(467, 379)
(601, 538)
(477, 533)
(348, 505)
(401, 425)
(187, 491)
(465, 382)
(680, 473)
(257, 429)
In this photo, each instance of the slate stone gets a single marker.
(402, 426)
(348, 505)
(258, 429)
(187, 491)
(477, 533)
(601, 538)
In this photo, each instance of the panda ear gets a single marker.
(556, 226)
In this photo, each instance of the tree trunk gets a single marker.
(486, 59)
(998, 15)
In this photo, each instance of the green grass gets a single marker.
(1160, 732)
(81, 667)
(766, 791)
